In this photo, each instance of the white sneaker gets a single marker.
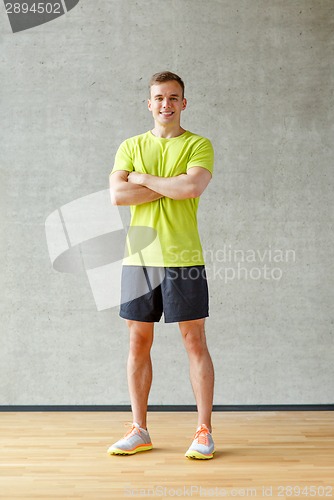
(136, 439)
(202, 446)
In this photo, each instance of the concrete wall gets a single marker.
(259, 83)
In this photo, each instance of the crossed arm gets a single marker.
(135, 188)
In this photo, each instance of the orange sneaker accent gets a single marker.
(133, 430)
(202, 435)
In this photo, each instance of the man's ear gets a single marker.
(184, 103)
(149, 104)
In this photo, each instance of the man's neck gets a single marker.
(167, 132)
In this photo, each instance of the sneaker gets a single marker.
(202, 446)
(136, 439)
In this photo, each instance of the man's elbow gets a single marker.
(195, 191)
(114, 197)
(197, 184)
(191, 192)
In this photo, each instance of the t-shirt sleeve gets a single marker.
(123, 158)
(202, 155)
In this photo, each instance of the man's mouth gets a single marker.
(167, 113)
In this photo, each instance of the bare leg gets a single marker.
(201, 368)
(139, 368)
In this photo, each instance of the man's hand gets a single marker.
(137, 178)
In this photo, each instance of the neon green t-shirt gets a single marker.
(168, 227)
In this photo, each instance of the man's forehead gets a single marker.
(166, 88)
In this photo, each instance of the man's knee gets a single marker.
(193, 335)
(141, 336)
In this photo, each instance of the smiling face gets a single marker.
(166, 103)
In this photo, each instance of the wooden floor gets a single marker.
(258, 454)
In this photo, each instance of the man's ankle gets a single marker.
(141, 425)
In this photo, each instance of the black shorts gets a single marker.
(181, 293)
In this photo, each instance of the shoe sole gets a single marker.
(119, 451)
(198, 456)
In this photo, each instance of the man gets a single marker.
(161, 175)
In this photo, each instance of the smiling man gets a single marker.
(161, 175)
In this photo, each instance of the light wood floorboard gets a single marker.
(63, 455)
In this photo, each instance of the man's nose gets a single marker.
(166, 103)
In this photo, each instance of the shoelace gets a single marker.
(202, 436)
(133, 430)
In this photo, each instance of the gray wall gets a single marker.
(259, 83)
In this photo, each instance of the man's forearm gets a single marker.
(178, 188)
(132, 194)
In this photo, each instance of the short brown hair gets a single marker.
(166, 76)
